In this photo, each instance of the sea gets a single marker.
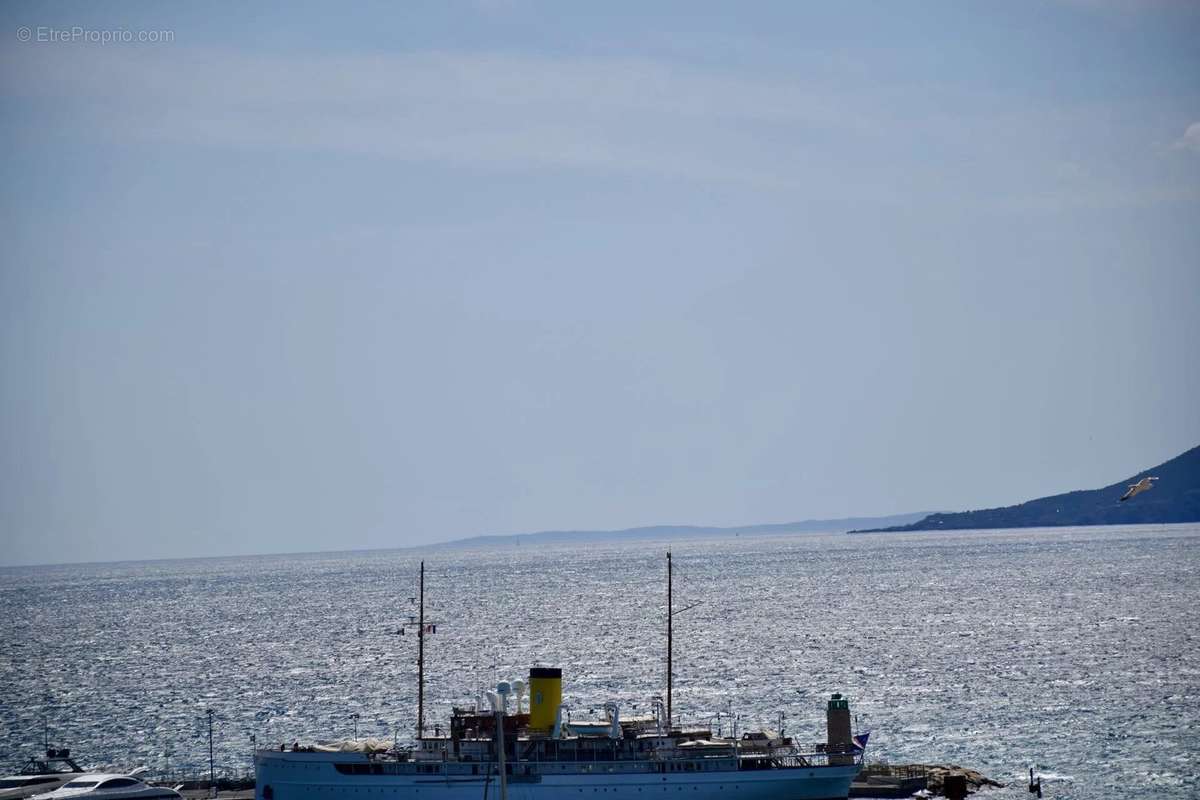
(1073, 650)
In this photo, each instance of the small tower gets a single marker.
(837, 724)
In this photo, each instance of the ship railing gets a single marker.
(227, 777)
(678, 754)
(532, 769)
(807, 755)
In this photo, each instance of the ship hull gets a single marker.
(290, 776)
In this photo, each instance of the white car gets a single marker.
(108, 786)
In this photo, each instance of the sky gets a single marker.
(304, 277)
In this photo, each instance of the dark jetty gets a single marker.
(1174, 498)
(902, 780)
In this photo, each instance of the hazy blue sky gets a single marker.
(315, 278)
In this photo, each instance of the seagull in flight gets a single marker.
(1137, 488)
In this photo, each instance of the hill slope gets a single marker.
(1174, 498)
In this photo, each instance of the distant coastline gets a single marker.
(1174, 498)
(652, 532)
(647, 533)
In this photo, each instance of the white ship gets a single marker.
(540, 754)
(40, 775)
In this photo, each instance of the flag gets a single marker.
(860, 740)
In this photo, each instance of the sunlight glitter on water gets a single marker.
(1072, 649)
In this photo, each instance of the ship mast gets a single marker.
(671, 612)
(421, 658)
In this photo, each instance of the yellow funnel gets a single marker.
(545, 696)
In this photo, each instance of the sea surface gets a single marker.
(1074, 650)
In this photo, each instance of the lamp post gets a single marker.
(212, 773)
(500, 752)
